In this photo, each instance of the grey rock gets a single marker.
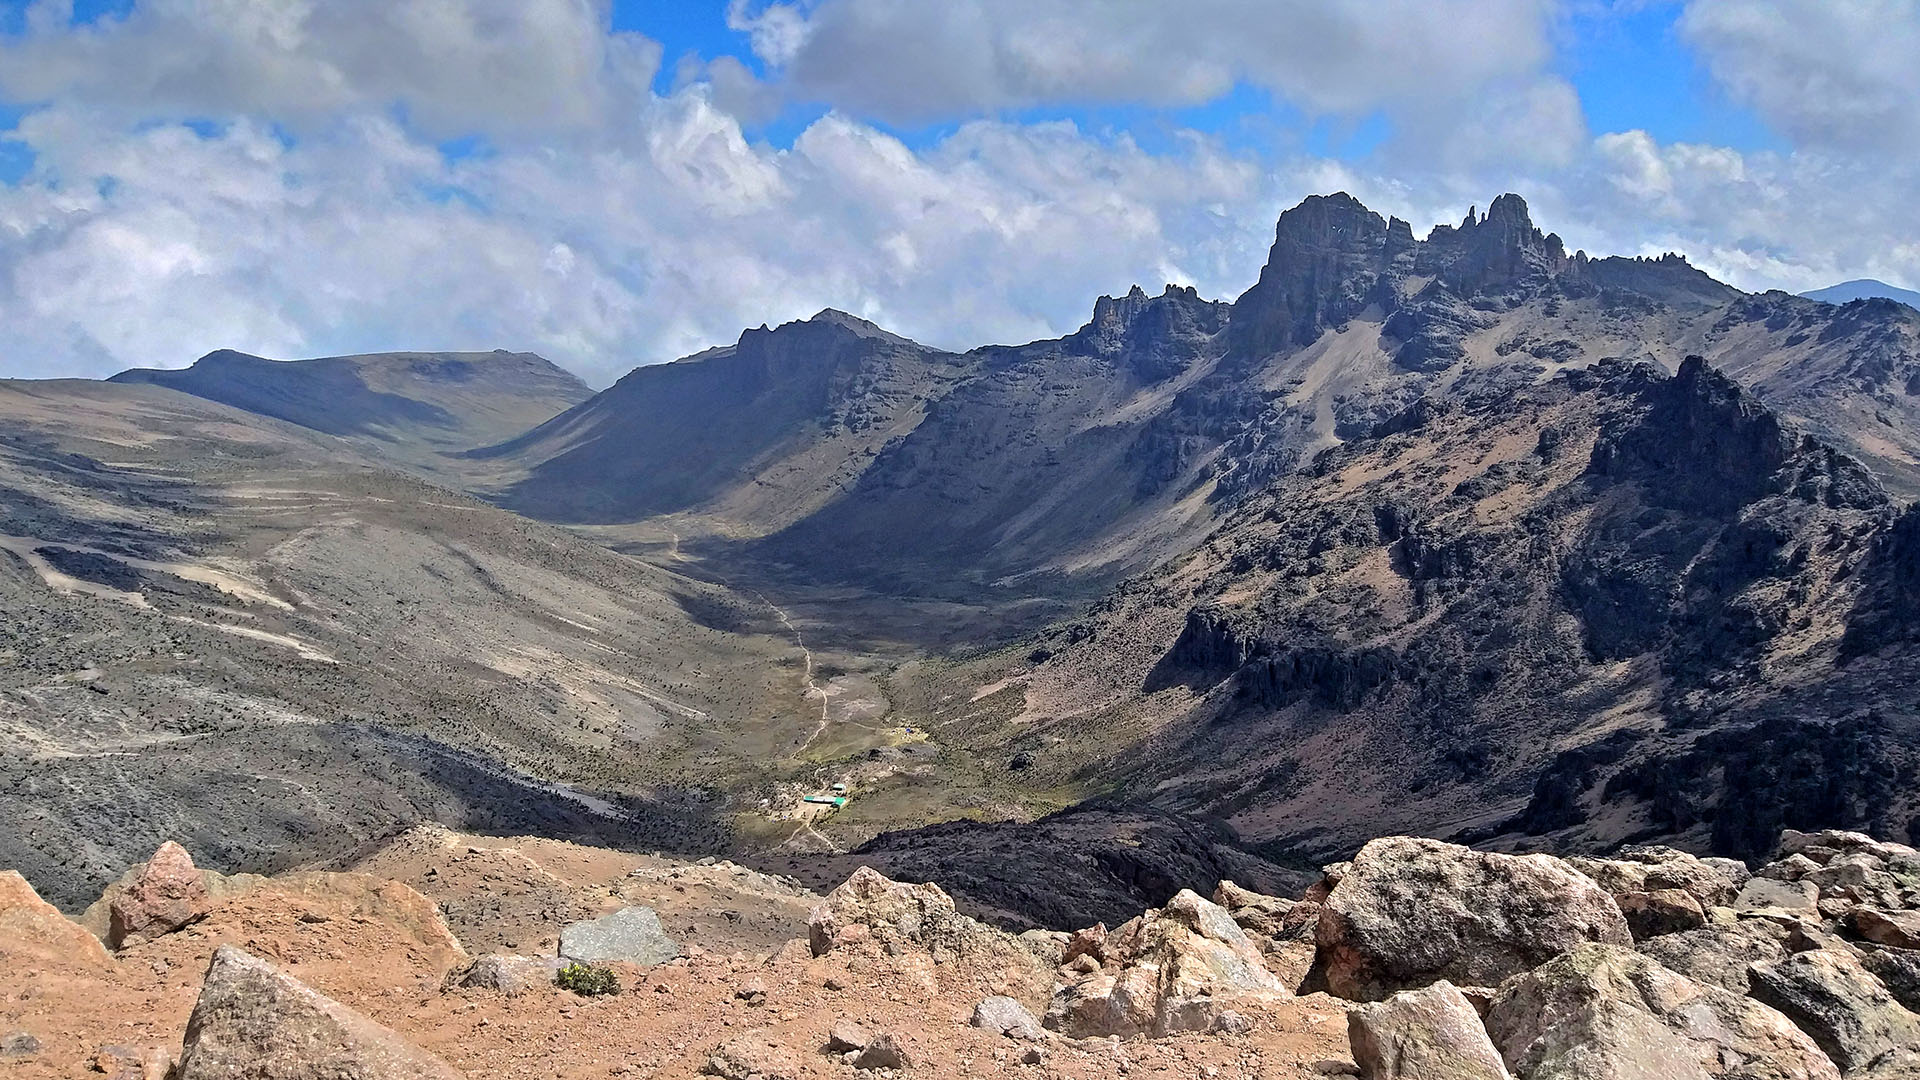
(254, 1021)
(1837, 1001)
(883, 1052)
(1008, 1017)
(631, 935)
(19, 1044)
(507, 974)
(1409, 912)
(1771, 894)
(1899, 971)
(1604, 1011)
(1719, 955)
(1428, 1034)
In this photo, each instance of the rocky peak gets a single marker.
(1155, 336)
(1328, 255)
(1496, 250)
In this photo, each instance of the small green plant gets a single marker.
(587, 980)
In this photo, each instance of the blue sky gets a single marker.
(613, 182)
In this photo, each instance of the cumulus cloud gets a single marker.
(910, 62)
(1838, 74)
(150, 248)
(454, 66)
(605, 224)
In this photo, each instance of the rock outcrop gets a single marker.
(1176, 968)
(1837, 1001)
(32, 928)
(1605, 1011)
(1408, 912)
(254, 1021)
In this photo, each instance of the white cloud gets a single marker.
(1837, 74)
(912, 62)
(455, 66)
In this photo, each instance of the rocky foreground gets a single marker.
(438, 955)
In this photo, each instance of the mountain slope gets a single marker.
(240, 633)
(1864, 289)
(408, 406)
(1617, 606)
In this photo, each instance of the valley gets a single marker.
(1463, 536)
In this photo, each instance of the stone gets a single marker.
(1049, 945)
(846, 1036)
(752, 1056)
(1899, 971)
(897, 915)
(1605, 1011)
(1409, 912)
(18, 1044)
(1654, 869)
(31, 928)
(1008, 1017)
(1899, 929)
(1774, 895)
(882, 1052)
(1662, 911)
(507, 974)
(133, 1063)
(1792, 868)
(1229, 1022)
(753, 992)
(1175, 969)
(252, 1020)
(1719, 955)
(1428, 1034)
(1836, 1000)
(166, 896)
(632, 935)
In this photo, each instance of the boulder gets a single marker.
(1822, 847)
(1605, 1011)
(752, 1056)
(1835, 999)
(218, 888)
(254, 1021)
(896, 913)
(1171, 969)
(1719, 955)
(1792, 868)
(1765, 894)
(18, 1045)
(1270, 919)
(1408, 912)
(1899, 929)
(507, 974)
(167, 895)
(1008, 1017)
(632, 935)
(1427, 1034)
(31, 928)
(1662, 911)
(1899, 971)
(1655, 869)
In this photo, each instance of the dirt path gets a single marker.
(806, 655)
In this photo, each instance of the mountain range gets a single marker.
(1464, 535)
(1864, 289)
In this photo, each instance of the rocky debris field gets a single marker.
(1415, 960)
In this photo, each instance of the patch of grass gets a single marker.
(588, 980)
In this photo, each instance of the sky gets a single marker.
(621, 182)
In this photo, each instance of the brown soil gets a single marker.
(375, 946)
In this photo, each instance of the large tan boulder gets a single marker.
(1428, 1034)
(31, 928)
(1177, 968)
(256, 1022)
(1656, 869)
(870, 910)
(1602, 1011)
(1408, 912)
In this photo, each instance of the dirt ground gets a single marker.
(380, 947)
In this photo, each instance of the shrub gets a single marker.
(587, 980)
